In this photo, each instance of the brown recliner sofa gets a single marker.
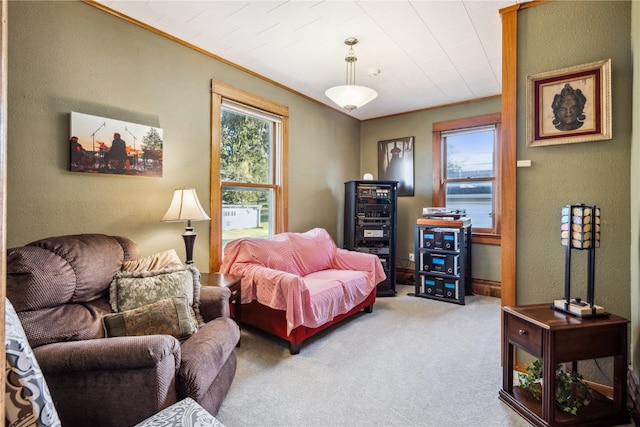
(59, 287)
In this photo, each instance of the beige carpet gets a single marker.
(412, 362)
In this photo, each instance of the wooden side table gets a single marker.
(232, 282)
(557, 337)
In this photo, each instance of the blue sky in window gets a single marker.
(472, 151)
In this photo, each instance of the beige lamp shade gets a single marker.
(185, 206)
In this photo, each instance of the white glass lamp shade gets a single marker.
(185, 206)
(351, 97)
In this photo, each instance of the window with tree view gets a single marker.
(247, 141)
(248, 167)
(468, 171)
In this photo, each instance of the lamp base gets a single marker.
(579, 308)
(189, 237)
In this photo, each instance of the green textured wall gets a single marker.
(635, 197)
(591, 172)
(486, 258)
(70, 56)
(552, 36)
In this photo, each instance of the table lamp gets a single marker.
(580, 229)
(185, 206)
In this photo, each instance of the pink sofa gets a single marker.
(297, 284)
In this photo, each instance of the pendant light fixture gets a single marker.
(350, 96)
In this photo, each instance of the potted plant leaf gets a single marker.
(571, 391)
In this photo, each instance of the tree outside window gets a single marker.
(248, 180)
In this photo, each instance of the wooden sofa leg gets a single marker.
(294, 348)
(368, 309)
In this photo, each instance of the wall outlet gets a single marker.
(412, 257)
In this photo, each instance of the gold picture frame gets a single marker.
(569, 105)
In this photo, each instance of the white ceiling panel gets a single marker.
(429, 53)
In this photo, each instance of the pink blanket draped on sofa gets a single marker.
(304, 274)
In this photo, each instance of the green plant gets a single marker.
(571, 391)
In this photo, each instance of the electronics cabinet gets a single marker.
(443, 259)
(370, 225)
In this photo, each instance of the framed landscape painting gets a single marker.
(569, 105)
(109, 146)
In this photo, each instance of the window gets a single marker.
(248, 172)
(466, 172)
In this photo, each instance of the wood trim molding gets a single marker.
(215, 197)
(437, 196)
(486, 239)
(229, 92)
(283, 220)
(467, 122)
(488, 288)
(508, 177)
(508, 212)
(405, 276)
(435, 107)
(508, 208)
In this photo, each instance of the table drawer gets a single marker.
(525, 335)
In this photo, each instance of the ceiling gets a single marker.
(429, 53)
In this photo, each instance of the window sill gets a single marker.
(486, 239)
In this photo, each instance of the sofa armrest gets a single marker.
(352, 260)
(108, 354)
(94, 380)
(204, 354)
(214, 302)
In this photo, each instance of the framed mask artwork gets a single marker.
(569, 105)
